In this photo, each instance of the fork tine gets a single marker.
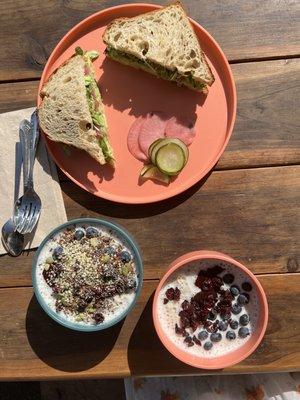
(23, 222)
(28, 225)
(34, 220)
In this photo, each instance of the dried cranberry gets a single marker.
(185, 322)
(188, 339)
(216, 282)
(166, 300)
(190, 344)
(170, 293)
(185, 305)
(197, 341)
(194, 325)
(206, 284)
(179, 330)
(176, 294)
(173, 294)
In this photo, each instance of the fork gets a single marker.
(28, 208)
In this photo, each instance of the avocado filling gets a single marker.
(94, 102)
(155, 69)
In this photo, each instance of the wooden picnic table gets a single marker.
(247, 207)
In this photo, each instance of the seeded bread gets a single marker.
(165, 37)
(64, 114)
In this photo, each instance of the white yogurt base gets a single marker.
(184, 279)
(117, 304)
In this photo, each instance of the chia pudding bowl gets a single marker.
(209, 310)
(87, 274)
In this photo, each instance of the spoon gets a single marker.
(13, 241)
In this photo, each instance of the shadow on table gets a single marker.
(62, 348)
(117, 210)
(146, 353)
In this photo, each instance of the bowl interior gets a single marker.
(132, 246)
(234, 356)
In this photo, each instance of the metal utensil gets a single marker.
(28, 208)
(12, 240)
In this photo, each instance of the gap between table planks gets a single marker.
(267, 127)
(251, 214)
(40, 349)
(244, 30)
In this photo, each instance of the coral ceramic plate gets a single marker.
(128, 93)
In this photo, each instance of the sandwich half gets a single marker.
(163, 43)
(72, 111)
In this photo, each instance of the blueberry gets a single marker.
(223, 326)
(234, 290)
(57, 252)
(91, 232)
(244, 319)
(244, 332)
(125, 256)
(236, 309)
(212, 315)
(109, 250)
(215, 337)
(202, 335)
(225, 317)
(79, 234)
(247, 286)
(228, 278)
(243, 299)
(208, 345)
(234, 324)
(230, 335)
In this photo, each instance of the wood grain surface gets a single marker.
(30, 29)
(267, 125)
(253, 215)
(41, 349)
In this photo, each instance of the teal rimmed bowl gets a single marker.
(128, 241)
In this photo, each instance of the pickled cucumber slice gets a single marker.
(152, 172)
(170, 159)
(162, 142)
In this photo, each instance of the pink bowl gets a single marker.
(235, 356)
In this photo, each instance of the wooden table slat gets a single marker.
(245, 30)
(267, 113)
(41, 349)
(250, 214)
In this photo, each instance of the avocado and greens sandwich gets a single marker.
(72, 111)
(163, 43)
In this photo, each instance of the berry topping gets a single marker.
(234, 290)
(79, 233)
(230, 335)
(216, 337)
(244, 319)
(208, 346)
(243, 299)
(223, 326)
(236, 309)
(57, 252)
(243, 332)
(173, 294)
(91, 232)
(228, 278)
(202, 335)
(234, 324)
(125, 256)
(247, 286)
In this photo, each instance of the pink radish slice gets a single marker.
(181, 129)
(133, 139)
(152, 129)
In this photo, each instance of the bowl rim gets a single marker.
(138, 262)
(201, 255)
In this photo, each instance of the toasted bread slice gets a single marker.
(71, 99)
(163, 43)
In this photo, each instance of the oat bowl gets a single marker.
(87, 274)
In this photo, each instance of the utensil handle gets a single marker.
(25, 143)
(34, 139)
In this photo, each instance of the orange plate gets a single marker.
(128, 93)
